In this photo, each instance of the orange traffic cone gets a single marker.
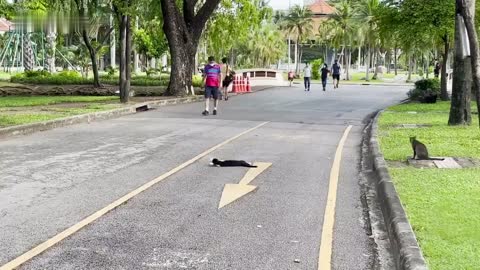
(249, 87)
(235, 84)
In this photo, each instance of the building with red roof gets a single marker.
(5, 25)
(321, 11)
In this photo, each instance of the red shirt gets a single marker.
(212, 72)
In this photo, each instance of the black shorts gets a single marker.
(226, 83)
(336, 77)
(211, 91)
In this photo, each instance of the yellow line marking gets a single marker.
(73, 229)
(233, 192)
(254, 172)
(325, 255)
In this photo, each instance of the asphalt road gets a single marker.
(51, 180)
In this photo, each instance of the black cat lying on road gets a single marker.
(231, 163)
(420, 150)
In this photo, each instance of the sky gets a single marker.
(283, 4)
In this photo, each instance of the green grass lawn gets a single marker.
(25, 110)
(49, 100)
(443, 205)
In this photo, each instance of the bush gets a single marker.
(428, 84)
(43, 77)
(425, 89)
(110, 71)
(316, 64)
(36, 73)
(197, 81)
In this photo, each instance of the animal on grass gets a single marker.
(420, 150)
(231, 163)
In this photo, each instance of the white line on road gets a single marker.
(325, 256)
(73, 229)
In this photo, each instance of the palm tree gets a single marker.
(299, 23)
(368, 15)
(341, 28)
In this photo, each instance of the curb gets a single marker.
(90, 117)
(406, 251)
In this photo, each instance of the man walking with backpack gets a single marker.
(212, 77)
(336, 74)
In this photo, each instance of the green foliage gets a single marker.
(150, 39)
(237, 27)
(197, 81)
(110, 71)
(316, 64)
(423, 88)
(6, 9)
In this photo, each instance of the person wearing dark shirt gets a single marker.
(336, 74)
(324, 75)
(436, 71)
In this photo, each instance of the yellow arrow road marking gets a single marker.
(73, 229)
(254, 172)
(325, 256)
(233, 192)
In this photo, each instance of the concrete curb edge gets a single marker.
(406, 251)
(90, 117)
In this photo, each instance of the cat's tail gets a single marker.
(436, 159)
(252, 166)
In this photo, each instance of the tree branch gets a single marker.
(104, 38)
(189, 11)
(202, 17)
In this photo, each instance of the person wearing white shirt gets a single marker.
(307, 73)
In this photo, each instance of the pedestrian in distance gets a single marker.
(307, 73)
(324, 75)
(437, 69)
(291, 76)
(336, 73)
(227, 77)
(211, 79)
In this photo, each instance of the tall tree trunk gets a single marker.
(183, 31)
(444, 78)
(468, 11)
(388, 60)
(426, 66)
(359, 57)
(128, 55)
(300, 55)
(51, 47)
(124, 95)
(395, 60)
(113, 54)
(409, 78)
(135, 53)
(297, 61)
(349, 61)
(374, 63)
(93, 57)
(415, 66)
(367, 64)
(27, 52)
